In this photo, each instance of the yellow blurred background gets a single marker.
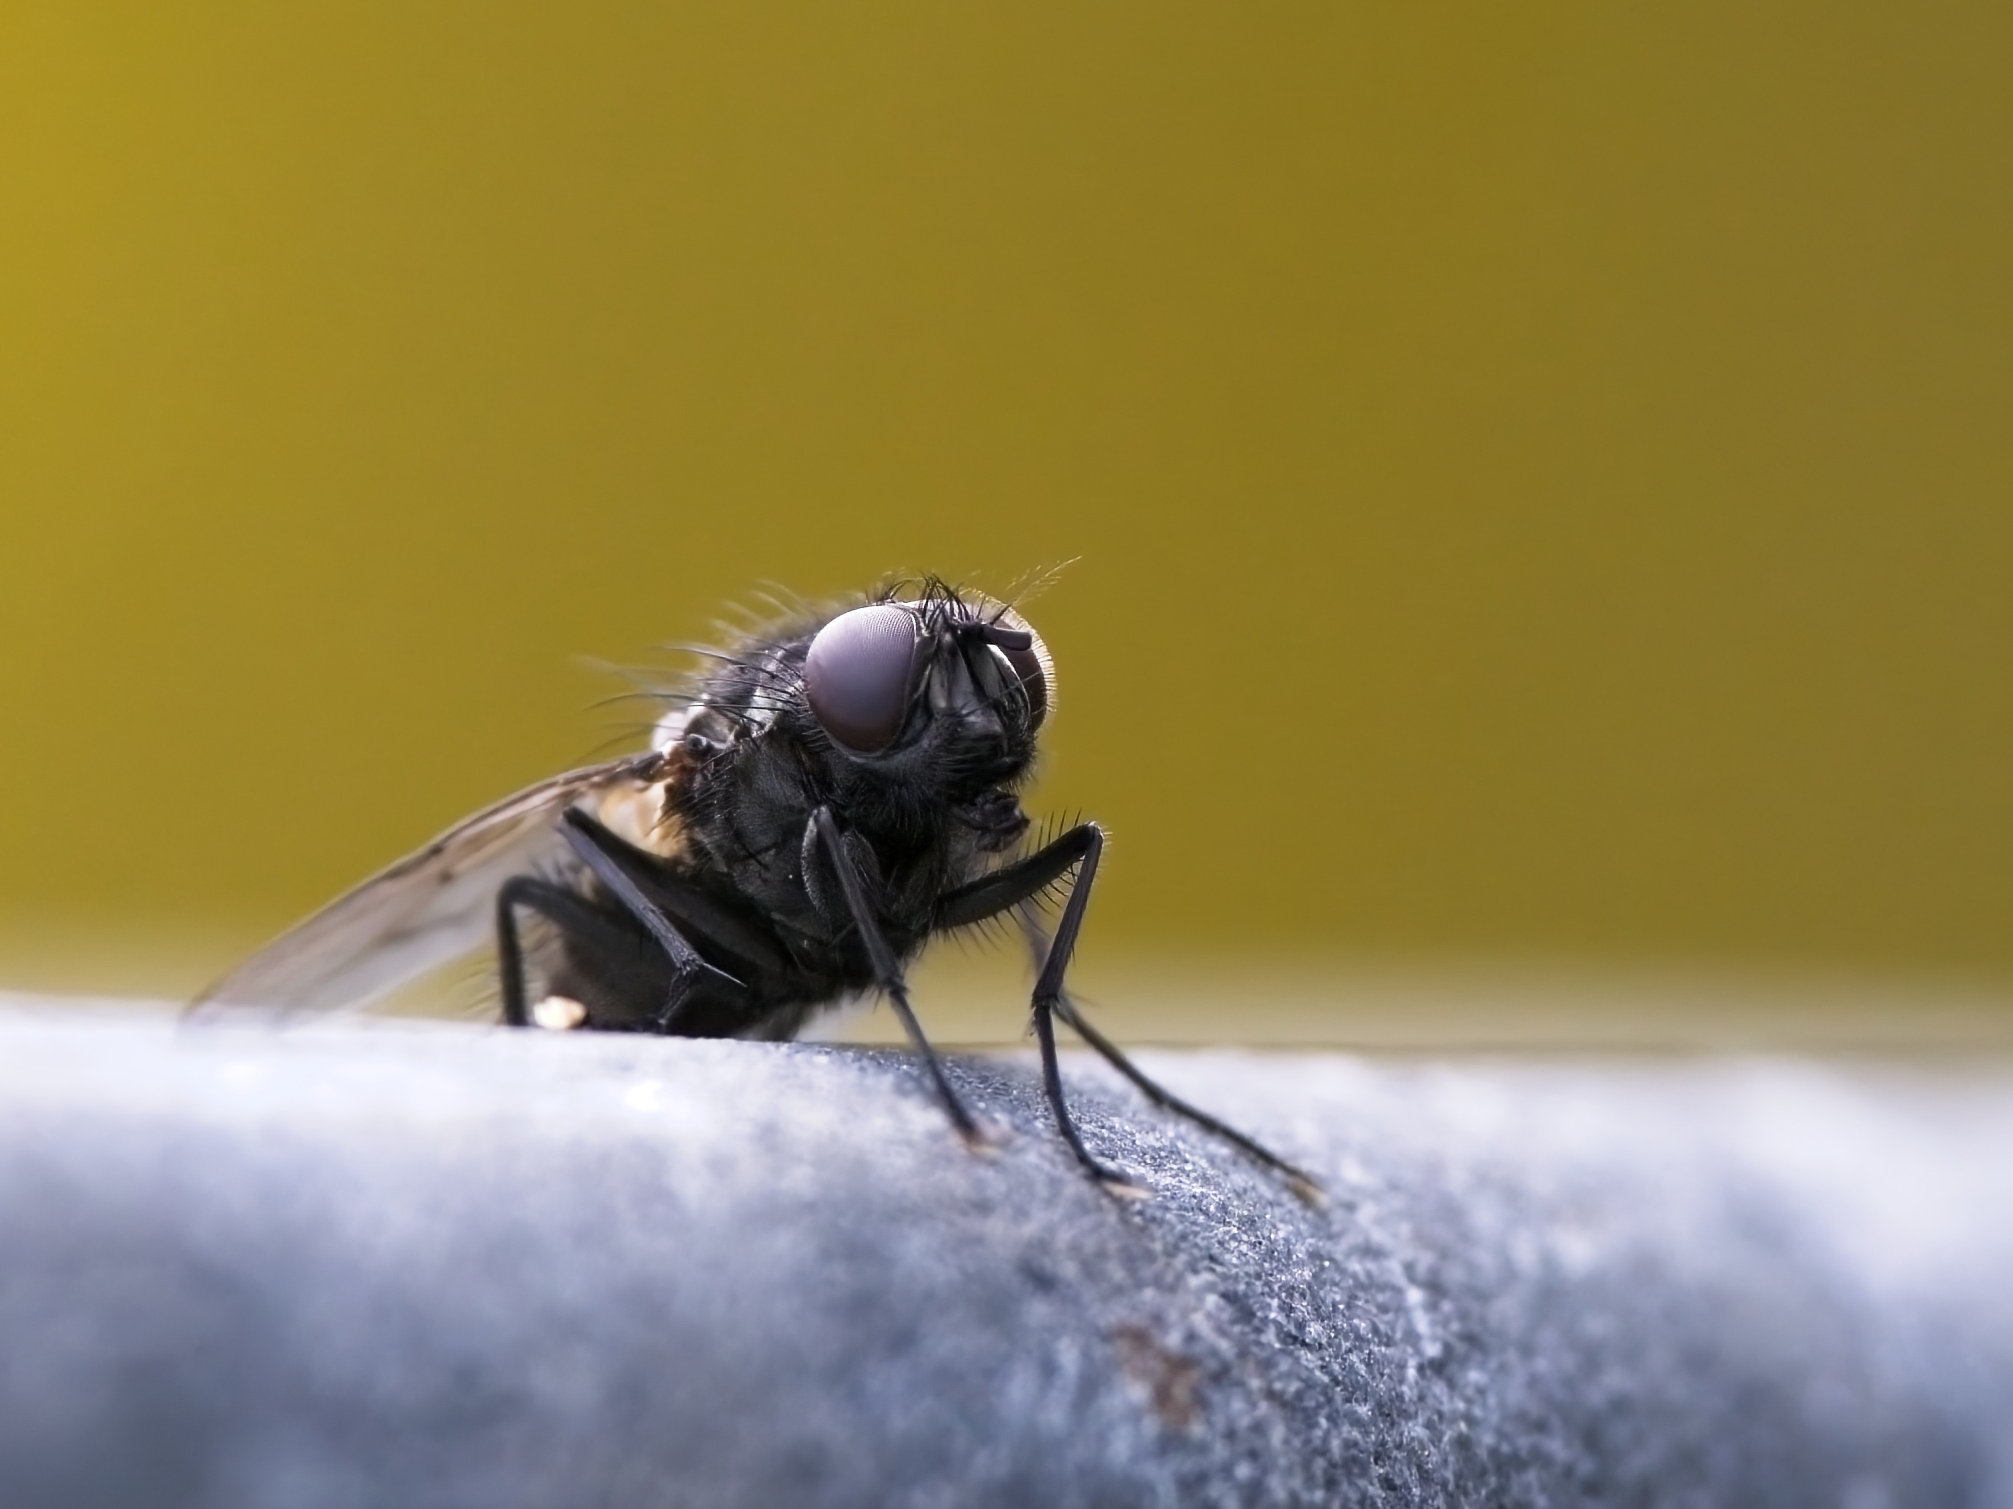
(1537, 476)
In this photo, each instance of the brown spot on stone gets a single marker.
(1173, 1383)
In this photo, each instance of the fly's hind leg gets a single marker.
(587, 926)
(564, 910)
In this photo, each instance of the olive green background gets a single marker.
(1537, 477)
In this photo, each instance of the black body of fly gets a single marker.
(829, 796)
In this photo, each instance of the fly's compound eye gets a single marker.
(860, 674)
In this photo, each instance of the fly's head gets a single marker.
(916, 708)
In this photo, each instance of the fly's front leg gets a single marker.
(1302, 1183)
(888, 970)
(1076, 850)
(1048, 995)
(1012, 888)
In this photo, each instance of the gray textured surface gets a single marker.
(432, 1266)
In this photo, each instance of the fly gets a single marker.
(827, 797)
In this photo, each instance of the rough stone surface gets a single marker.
(397, 1265)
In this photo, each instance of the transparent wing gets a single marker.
(438, 903)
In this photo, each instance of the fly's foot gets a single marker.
(1306, 1187)
(983, 1139)
(1108, 1179)
(1118, 1186)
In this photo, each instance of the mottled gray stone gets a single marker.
(383, 1265)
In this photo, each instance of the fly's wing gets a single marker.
(439, 902)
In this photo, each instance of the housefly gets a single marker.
(816, 805)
